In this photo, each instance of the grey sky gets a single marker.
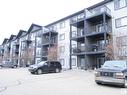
(20, 14)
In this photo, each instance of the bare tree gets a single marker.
(109, 52)
(109, 49)
(52, 53)
(28, 56)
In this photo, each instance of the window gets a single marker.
(73, 62)
(61, 49)
(62, 61)
(73, 48)
(23, 46)
(120, 22)
(74, 33)
(122, 46)
(62, 37)
(38, 42)
(38, 52)
(62, 25)
(120, 4)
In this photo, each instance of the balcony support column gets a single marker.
(104, 24)
(70, 48)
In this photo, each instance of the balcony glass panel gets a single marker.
(44, 53)
(99, 28)
(97, 11)
(77, 18)
(96, 47)
(78, 33)
(78, 49)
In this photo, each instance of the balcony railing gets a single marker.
(77, 33)
(51, 41)
(46, 30)
(95, 47)
(78, 50)
(44, 53)
(16, 51)
(77, 18)
(97, 11)
(99, 29)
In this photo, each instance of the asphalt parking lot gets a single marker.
(71, 82)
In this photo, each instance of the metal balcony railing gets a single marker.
(95, 47)
(100, 29)
(77, 18)
(78, 50)
(78, 33)
(51, 41)
(44, 53)
(97, 11)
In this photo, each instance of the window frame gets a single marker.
(72, 61)
(119, 19)
(62, 35)
(62, 49)
(62, 24)
(118, 7)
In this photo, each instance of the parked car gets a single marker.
(8, 64)
(45, 67)
(112, 72)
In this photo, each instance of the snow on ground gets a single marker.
(72, 82)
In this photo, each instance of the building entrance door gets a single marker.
(82, 63)
(100, 62)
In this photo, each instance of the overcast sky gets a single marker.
(20, 14)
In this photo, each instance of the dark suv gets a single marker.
(45, 67)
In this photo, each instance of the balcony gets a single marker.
(96, 49)
(28, 41)
(48, 31)
(16, 43)
(44, 53)
(97, 13)
(78, 51)
(98, 30)
(16, 50)
(77, 35)
(49, 41)
(77, 18)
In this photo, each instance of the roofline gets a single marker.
(91, 7)
(5, 39)
(20, 31)
(29, 30)
(65, 18)
(99, 4)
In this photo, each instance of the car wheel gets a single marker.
(0, 67)
(15, 66)
(39, 71)
(32, 72)
(125, 84)
(98, 83)
(57, 70)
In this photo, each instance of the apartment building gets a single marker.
(83, 40)
(1, 53)
(30, 46)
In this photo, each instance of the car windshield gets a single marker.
(115, 64)
(41, 63)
